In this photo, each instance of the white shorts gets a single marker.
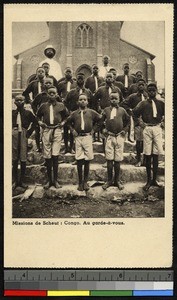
(152, 140)
(84, 147)
(51, 139)
(114, 148)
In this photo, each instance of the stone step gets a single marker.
(132, 192)
(68, 173)
(37, 158)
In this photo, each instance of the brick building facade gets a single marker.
(79, 45)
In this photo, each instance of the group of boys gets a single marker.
(77, 109)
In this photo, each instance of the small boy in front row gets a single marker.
(81, 123)
(116, 122)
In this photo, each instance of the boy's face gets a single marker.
(80, 80)
(52, 92)
(139, 75)
(114, 73)
(141, 86)
(40, 73)
(19, 101)
(83, 101)
(48, 82)
(126, 69)
(68, 74)
(109, 78)
(151, 92)
(95, 70)
(114, 99)
(46, 68)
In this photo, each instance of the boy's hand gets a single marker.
(74, 132)
(162, 125)
(61, 124)
(43, 125)
(28, 133)
(99, 109)
(105, 132)
(123, 133)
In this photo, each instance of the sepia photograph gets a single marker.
(88, 112)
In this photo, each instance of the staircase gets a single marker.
(36, 171)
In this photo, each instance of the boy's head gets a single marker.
(106, 60)
(80, 79)
(83, 100)
(95, 70)
(49, 51)
(19, 101)
(48, 82)
(46, 67)
(141, 85)
(109, 78)
(40, 72)
(52, 93)
(126, 68)
(139, 75)
(114, 72)
(152, 90)
(114, 98)
(68, 73)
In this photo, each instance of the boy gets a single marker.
(126, 79)
(94, 81)
(35, 87)
(117, 123)
(67, 84)
(152, 113)
(53, 114)
(43, 96)
(21, 120)
(130, 103)
(81, 122)
(71, 102)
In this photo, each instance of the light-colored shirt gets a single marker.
(103, 70)
(55, 68)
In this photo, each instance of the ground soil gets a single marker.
(104, 206)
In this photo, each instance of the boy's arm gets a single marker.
(126, 121)
(27, 91)
(39, 116)
(34, 124)
(137, 111)
(90, 98)
(65, 115)
(126, 104)
(70, 123)
(96, 100)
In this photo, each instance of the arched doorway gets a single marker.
(86, 69)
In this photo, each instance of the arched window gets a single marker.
(84, 36)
